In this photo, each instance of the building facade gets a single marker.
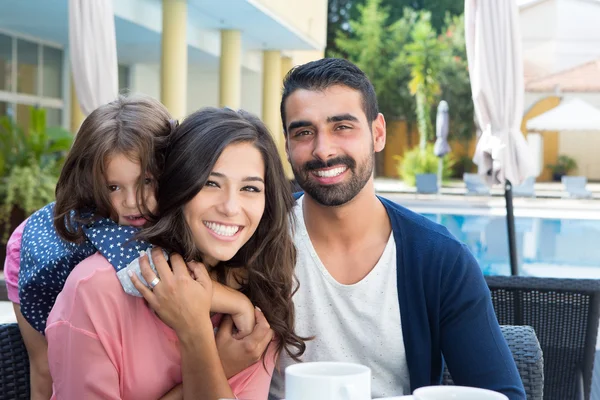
(187, 53)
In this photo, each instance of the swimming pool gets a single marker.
(545, 247)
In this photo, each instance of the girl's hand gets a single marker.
(181, 302)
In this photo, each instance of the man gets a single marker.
(379, 284)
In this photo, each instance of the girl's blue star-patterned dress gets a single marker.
(47, 260)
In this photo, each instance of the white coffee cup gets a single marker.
(456, 393)
(327, 381)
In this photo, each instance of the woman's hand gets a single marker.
(180, 300)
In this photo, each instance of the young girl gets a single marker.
(105, 192)
(223, 200)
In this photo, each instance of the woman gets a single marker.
(223, 200)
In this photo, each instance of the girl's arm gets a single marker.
(226, 300)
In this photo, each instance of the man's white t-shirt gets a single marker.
(357, 323)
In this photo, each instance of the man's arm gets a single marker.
(472, 343)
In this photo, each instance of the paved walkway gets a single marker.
(548, 202)
(457, 188)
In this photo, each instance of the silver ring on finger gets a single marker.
(154, 282)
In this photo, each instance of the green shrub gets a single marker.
(30, 163)
(416, 162)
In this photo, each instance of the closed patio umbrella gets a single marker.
(495, 60)
(441, 146)
(93, 52)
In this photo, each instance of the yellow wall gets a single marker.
(549, 138)
(303, 56)
(460, 149)
(307, 16)
(397, 142)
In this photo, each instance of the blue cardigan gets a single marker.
(446, 309)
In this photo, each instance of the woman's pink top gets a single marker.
(12, 263)
(105, 344)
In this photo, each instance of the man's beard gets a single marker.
(336, 194)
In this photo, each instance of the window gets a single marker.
(52, 72)
(123, 78)
(27, 67)
(31, 74)
(5, 63)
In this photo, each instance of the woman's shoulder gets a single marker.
(94, 276)
(92, 292)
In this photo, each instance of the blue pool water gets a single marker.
(545, 247)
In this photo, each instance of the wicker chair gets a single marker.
(564, 314)
(14, 364)
(528, 356)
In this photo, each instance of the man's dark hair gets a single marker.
(322, 74)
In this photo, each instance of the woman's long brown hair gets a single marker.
(269, 256)
(137, 126)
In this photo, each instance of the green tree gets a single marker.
(341, 12)
(394, 96)
(438, 9)
(425, 55)
(403, 51)
(364, 48)
(455, 83)
(378, 50)
(338, 24)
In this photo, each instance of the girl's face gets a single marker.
(227, 210)
(122, 175)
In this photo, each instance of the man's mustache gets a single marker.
(319, 164)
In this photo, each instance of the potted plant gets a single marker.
(30, 162)
(564, 165)
(418, 162)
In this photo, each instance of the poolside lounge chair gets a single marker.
(575, 187)
(427, 183)
(525, 189)
(476, 185)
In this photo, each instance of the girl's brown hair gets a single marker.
(269, 256)
(137, 126)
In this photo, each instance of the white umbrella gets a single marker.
(441, 146)
(572, 115)
(495, 61)
(442, 122)
(93, 52)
